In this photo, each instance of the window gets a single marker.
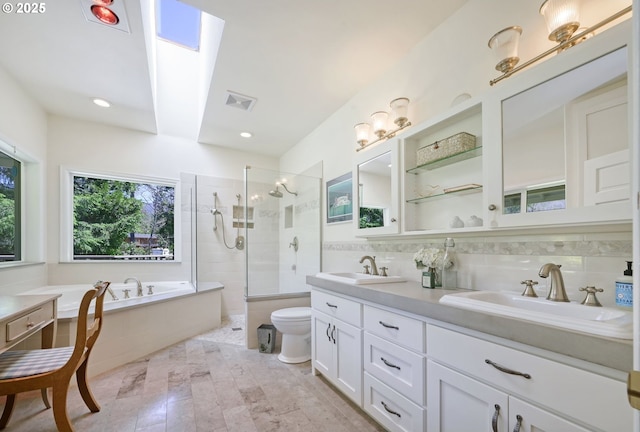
(179, 23)
(10, 204)
(536, 199)
(122, 219)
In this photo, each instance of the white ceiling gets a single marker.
(302, 60)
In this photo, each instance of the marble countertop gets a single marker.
(411, 297)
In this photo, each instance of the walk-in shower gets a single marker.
(275, 221)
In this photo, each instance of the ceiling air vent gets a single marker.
(242, 102)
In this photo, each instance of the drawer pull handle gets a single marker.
(494, 420)
(30, 324)
(507, 370)
(389, 410)
(391, 365)
(327, 332)
(332, 305)
(384, 324)
(333, 334)
(518, 423)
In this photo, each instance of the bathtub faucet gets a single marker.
(138, 285)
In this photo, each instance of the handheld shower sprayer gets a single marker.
(239, 242)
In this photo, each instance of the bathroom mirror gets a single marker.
(566, 141)
(375, 189)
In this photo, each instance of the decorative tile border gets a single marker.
(592, 248)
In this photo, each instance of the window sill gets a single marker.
(17, 264)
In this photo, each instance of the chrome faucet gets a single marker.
(138, 285)
(372, 261)
(556, 283)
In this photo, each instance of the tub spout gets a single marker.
(138, 285)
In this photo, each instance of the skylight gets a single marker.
(179, 23)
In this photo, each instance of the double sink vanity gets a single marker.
(551, 152)
(414, 359)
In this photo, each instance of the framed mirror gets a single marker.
(566, 141)
(376, 190)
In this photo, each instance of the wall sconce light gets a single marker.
(561, 17)
(505, 47)
(380, 121)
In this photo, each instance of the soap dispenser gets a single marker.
(624, 287)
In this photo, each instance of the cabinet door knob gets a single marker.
(492, 207)
(393, 219)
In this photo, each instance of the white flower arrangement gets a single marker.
(431, 258)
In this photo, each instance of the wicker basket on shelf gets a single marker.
(447, 147)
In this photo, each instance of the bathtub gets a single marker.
(138, 326)
(69, 303)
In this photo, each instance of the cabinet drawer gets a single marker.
(345, 310)
(400, 329)
(585, 396)
(27, 322)
(399, 368)
(390, 408)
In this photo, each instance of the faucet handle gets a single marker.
(366, 269)
(591, 299)
(126, 293)
(383, 271)
(528, 290)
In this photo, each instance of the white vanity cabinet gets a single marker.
(477, 385)
(394, 369)
(337, 342)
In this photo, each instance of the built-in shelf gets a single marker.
(469, 154)
(442, 195)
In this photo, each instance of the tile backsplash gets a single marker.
(502, 262)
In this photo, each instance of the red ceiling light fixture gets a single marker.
(103, 2)
(104, 14)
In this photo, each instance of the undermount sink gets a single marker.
(602, 321)
(360, 278)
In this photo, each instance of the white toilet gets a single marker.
(295, 325)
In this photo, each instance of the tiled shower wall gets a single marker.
(501, 262)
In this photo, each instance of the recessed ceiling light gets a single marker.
(105, 15)
(101, 103)
(246, 134)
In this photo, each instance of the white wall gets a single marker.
(23, 125)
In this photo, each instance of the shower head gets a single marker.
(275, 193)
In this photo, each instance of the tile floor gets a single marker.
(207, 383)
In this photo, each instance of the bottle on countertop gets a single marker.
(448, 273)
(624, 287)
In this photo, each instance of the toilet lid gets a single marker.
(293, 313)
